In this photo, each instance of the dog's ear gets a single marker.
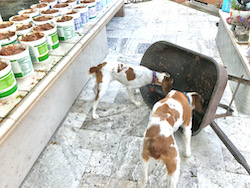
(167, 84)
(197, 102)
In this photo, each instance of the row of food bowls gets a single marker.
(28, 37)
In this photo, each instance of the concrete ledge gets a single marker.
(27, 129)
(236, 62)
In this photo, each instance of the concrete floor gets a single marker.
(106, 152)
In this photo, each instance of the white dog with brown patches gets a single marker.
(167, 116)
(131, 76)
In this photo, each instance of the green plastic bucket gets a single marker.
(8, 37)
(38, 49)
(23, 28)
(8, 84)
(51, 34)
(20, 62)
(65, 30)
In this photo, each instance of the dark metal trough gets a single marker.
(191, 71)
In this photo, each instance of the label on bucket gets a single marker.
(78, 23)
(7, 81)
(10, 91)
(22, 67)
(39, 52)
(92, 12)
(85, 17)
(53, 41)
(66, 32)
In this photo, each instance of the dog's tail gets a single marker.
(97, 68)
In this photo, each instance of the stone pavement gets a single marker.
(106, 152)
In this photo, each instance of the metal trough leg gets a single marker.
(230, 146)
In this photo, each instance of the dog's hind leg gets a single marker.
(173, 167)
(142, 183)
(187, 133)
(101, 89)
(173, 178)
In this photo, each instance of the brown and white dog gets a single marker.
(167, 116)
(132, 76)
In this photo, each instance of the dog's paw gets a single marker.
(95, 116)
(187, 154)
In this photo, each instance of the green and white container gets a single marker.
(38, 49)
(7, 26)
(51, 34)
(23, 28)
(17, 19)
(8, 37)
(31, 12)
(39, 20)
(65, 29)
(21, 62)
(8, 84)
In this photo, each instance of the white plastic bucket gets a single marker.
(98, 6)
(62, 7)
(39, 20)
(38, 49)
(92, 8)
(65, 30)
(52, 36)
(51, 3)
(24, 18)
(8, 40)
(51, 12)
(77, 19)
(40, 7)
(84, 12)
(71, 3)
(7, 26)
(31, 12)
(20, 31)
(8, 84)
(242, 13)
(21, 63)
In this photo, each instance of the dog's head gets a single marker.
(197, 101)
(167, 83)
